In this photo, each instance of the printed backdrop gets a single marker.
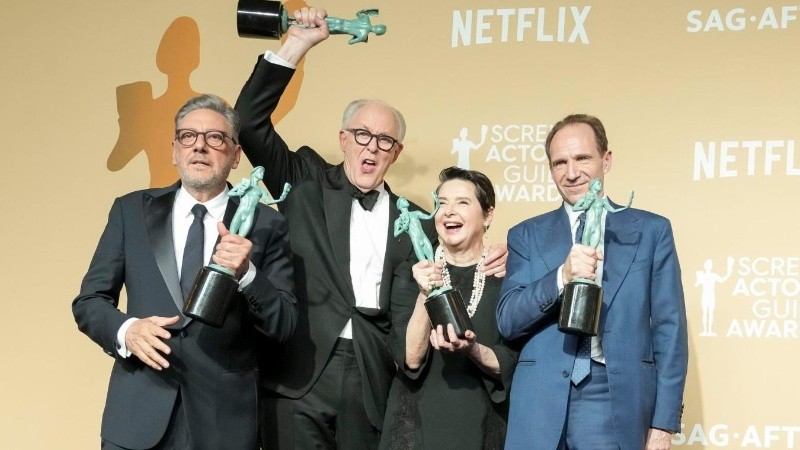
(700, 101)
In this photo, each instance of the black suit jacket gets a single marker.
(215, 370)
(318, 212)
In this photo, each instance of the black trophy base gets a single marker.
(210, 297)
(448, 307)
(261, 19)
(580, 309)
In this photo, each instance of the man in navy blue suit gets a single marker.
(632, 396)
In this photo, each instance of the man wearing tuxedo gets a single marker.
(329, 384)
(177, 383)
(629, 393)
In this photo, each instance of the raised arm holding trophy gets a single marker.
(328, 386)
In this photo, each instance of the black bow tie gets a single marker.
(365, 199)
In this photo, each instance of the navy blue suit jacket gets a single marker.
(642, 327)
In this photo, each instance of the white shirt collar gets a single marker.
(573, 215)
(184, 202)
(381, 188)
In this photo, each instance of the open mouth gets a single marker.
(453, 226)
(368, 166)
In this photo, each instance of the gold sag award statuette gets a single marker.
(268, 19)
(213, 288)
(444, 305)
(582, 298)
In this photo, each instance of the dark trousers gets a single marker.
(330, 416)
(589, 425)
(176, 437)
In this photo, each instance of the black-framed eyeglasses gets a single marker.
(364, 137)
(213, 138)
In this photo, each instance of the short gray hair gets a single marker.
(216, 104)
(355, 105)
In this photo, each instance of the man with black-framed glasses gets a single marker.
(178, 384)
(213, 138)
(329, 384)
(364, 137)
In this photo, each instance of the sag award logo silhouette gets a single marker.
(213, 289)
(583, 298)
(146, 123)
(268, 19)
(708, 280)
(444, 305)
(464, 146)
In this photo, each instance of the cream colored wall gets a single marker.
(659, 88)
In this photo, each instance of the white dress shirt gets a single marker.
(368, 234)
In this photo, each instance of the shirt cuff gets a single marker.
(122, 349)
(273, 58)
(248, 277)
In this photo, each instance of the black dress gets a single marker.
(449, 403)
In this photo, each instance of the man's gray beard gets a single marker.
(208, 185)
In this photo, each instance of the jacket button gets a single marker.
(184, 333)
(565, 374)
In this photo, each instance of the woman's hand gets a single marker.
(484, 357)
(428, 276)
(452, 344)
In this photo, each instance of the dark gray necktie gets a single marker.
(579, 230)
(193, 252)
(583, 355)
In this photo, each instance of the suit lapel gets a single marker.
(338, 224)
(554, 238)
(230, 210)
(158, 216)
(394, 252)
(554, 241)
(623, 235)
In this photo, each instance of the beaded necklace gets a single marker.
(478, 281)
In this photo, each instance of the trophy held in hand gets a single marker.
(444, 305)
(210, 297)
(582, 299)
(268, 19)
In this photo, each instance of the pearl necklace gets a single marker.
(478, 281)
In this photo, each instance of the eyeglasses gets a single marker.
(364, 137)
(213, 138)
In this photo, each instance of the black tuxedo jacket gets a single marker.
(318, 212)
(215, 370)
